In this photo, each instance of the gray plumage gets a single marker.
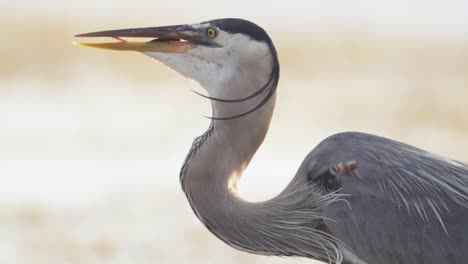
(403, 204)
(356, 198)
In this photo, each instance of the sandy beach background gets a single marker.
(91, 141)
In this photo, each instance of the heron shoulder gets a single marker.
(356, 145)
(345, 145)
(395, 187)
(409, 177)
(393, 169)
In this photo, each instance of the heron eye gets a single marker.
(211, 32)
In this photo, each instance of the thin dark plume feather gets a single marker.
(272, 83)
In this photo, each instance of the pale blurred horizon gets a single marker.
(91, 141)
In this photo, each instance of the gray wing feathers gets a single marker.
(414, 179)
(405, 205)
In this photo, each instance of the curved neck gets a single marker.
(286, 224)
(214, 166)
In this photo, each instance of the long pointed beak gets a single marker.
(168, 39)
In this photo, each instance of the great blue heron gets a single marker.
(356, 198)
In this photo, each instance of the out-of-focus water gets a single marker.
(91, 142)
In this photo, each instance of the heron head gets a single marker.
(209, 52)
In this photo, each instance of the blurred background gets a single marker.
(91, 141)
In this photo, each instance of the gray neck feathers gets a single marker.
(284, 225)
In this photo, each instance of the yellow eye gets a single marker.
(211, 32)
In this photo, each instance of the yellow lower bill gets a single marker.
(165, 47)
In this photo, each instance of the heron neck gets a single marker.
(212, 173)
(284, 225)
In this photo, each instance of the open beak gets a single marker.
(168, 39)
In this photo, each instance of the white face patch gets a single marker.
(191, 66)
(238, 57)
